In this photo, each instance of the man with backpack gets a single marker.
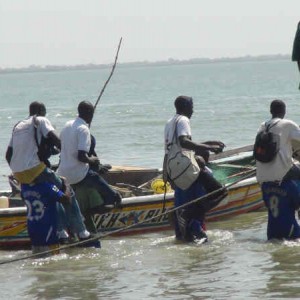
(27, 167)
(278, 173)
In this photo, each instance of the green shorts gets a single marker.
(87, 197)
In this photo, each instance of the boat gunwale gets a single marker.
(132, 201)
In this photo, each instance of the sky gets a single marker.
(72, 32)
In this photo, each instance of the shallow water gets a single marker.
(237, 262)
(231, 100)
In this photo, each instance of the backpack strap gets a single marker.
(174, 137)
(15, 126)
(269, 126)
(35, 125)
(175, 130)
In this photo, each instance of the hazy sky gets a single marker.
(65, 32)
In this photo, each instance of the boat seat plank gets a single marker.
(235, 166)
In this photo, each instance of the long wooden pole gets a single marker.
(110, 75)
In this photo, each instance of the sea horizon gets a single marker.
(145, 63)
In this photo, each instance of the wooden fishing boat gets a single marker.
(244, 195)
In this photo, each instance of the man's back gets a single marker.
(24, 146)
(74, 136)
(41, 200)
(182, 128)
(282, 200)
(287, 131)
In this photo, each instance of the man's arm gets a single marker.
(214, 143)
(55, 194)
(92, 151)
(9, 153)
(187, 143)
(47, 130)
(54, 139)
(91, 160)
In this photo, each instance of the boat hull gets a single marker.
(132, 218)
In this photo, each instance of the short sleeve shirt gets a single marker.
(183, 129)
(40, 200)
(23, 142)
(75, 136)
(275, 170)
(282, 201)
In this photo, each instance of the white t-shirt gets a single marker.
(74, 136)
(24, 145)
(275, 170)
(183, 129)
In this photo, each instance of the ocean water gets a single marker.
(230, 101)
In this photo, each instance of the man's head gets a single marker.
(277, 109)
(184, 106)
(37, 108)
(86, 111)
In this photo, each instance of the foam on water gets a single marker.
(231, 100)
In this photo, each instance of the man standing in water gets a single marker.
(189, 221)
(77, 164)
(41, 200)
(280, 178)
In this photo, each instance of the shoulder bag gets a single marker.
(182, 167)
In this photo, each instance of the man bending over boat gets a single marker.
(189, 221)
(24, 161)
(280, 177)
(78, 162)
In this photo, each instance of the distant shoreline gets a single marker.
(169, 62)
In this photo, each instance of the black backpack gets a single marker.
(266, 145)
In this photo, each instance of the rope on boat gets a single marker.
(104, 235)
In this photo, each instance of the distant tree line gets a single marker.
(170, 61)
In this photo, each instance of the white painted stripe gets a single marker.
(49, 233)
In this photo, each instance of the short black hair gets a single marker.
(85, 108)
(277, 107)
(182, 102)
(37, 108)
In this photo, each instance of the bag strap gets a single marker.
(35, 125)
(268, 127)
(15, 126)
(174, 137)
(175, 130)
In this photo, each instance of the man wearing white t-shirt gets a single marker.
(287, 131)
(189, 222)
(75, 160)
(22, 151)
(280, 178)
(24, 161)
